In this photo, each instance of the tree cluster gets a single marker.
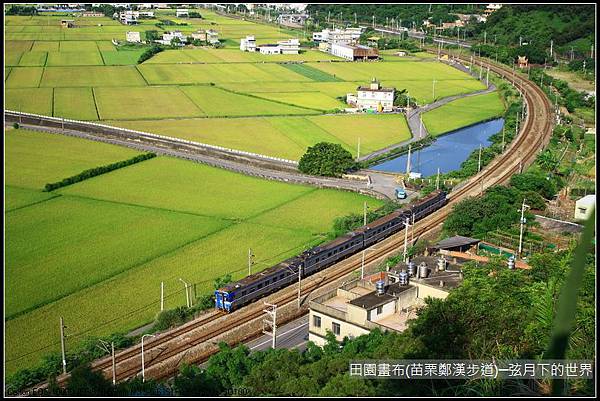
(93, 172)
(326, 159)
(149, 53)
(21, 10)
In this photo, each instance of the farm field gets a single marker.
(161, 195)
(286, 137)
(463, 112)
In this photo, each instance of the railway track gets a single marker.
(165, 352)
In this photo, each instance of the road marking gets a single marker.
(282, 334)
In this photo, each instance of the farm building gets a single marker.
(248, 44)
(269, 49)
(353, 53)
(292, 19)
(92, 14)
(169, 36)
(67, 23)
(290, 46)
(133, 37)
(584, 207)
(182, 12)
(372, 97)
(212, 37)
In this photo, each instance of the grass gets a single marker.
(214, 214)
(29, 100)
(463, 112)
(16, 197)
(91, 76)
(217, 102)
(24, 77)
(314, 100)
(312, 73)
(33, 59)
(60, 156)
(127, 57)
(75, 103)
(78, 46)
(110, 238)
(45, 46)
(12, 58)
(144, 102)
(62, 58)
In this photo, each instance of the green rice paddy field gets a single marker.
(95, 252)
(462, 112)
(78, 73)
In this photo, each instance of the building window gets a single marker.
(317, 321)
(582, 210)
(379, 309)
(336, 328)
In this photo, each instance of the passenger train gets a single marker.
(255, 286)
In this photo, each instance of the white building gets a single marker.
(338, 36)
(584, 207)
(248, 44)
(212, 37)
(182, 12)
(133, 37)
(169, 36)
(290, 46)
(322, 36)
(352, 53)
(372, 97)
(130, 17)
(269, 49)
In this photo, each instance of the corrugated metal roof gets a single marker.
(456, 241)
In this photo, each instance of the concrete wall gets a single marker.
(387, 310)
(346, 329)
(424, 291)
(407, 298)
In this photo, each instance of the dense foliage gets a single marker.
(155, 49)
(21, 10)
(567, 25)
(326, 159)
(568, 97)
(93, 172)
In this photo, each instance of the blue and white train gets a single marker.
(255, 286)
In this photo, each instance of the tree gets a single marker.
(343, 385)
(86, 382)
(192, 381)
(535, 181)
(326, 159)
(547, 160)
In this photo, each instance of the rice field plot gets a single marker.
(163, 74)
(29, 100)
(77, 46)
(375, 131)
(105, 45)
(310, 72)
(124, 57)
(75, 103)
(172, 57)
(12, 58)
(61, 157)
(313, 100)
(302, 215)
(237, 56)
(462, 112)
(17, 46)
(218, 102)
(423, 91)
(16, 197)
(6, 72)
(110, 238)
(183, 186)
(63, 58)
(91, 76)
(42, 29)
(45, 46)
(410, 71)
(30, 37)
(251, 134)
(143, 103)
(33, 59)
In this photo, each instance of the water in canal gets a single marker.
(447, 152)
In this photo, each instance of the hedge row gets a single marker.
(93, 172)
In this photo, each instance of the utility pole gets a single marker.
(250, 256)
(362, 266)
(299, 281)
(412, 230)
(162, 296)
(551, 45)
(62, 345)
(271, 313)
(406, 225)
(364, 213)
(437, 180)
(479, 163)
(187, 293)
(355, 20)
(487, 77)
(104, 346)
(522, 210)
(373, 21)
(358, 150)
(408, 161)
(520, 40)
(434, 81)
(484, 37)
(503, 130)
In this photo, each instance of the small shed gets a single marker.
(584, 207)
(67, 23)
(457, 243)
(373, 40)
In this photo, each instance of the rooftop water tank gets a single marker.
(412, 269)
(441, 264)
(380, 287)
(511, 263)
(423, 270)
(403, 278)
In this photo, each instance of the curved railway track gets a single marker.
(164, 352)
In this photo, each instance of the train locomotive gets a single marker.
(255, 286)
